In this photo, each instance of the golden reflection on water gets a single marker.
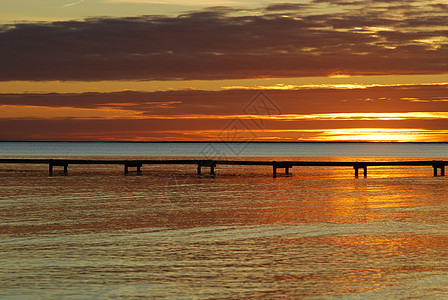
(170, 233)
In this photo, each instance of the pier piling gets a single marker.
(276, 165)
(358, 166)
(207, 163)
(132, 164)
(53, 163)
(439, 165)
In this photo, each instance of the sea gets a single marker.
(168, 233)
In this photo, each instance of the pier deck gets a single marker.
(200, 163)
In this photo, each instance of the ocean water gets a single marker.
(320, 233)
(418, 150)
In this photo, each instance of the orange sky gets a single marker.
(328, 70)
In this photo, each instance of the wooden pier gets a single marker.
(211, 164)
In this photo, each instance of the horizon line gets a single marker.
(227, 142)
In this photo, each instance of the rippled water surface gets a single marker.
(242, 234)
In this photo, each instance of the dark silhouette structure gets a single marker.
(286, 165)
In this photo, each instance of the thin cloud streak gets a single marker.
(317, 100)
(142, 130)
(73, 3)
(44, 112)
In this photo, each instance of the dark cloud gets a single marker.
(168, 130)
(440, 6)
(287, 6)
(417, 98)
(205, 115)
(223, 43)
(339, 2)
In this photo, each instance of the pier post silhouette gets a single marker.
(206, 163)
(52, 163)
(358, 166)
(438, 165)
(284, 165)
(132, 164)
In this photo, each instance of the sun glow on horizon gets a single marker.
(309, 135)
(376, 135)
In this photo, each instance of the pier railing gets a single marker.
(211, 164)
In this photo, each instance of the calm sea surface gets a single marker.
(168, 233)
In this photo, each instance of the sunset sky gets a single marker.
(167, 70)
